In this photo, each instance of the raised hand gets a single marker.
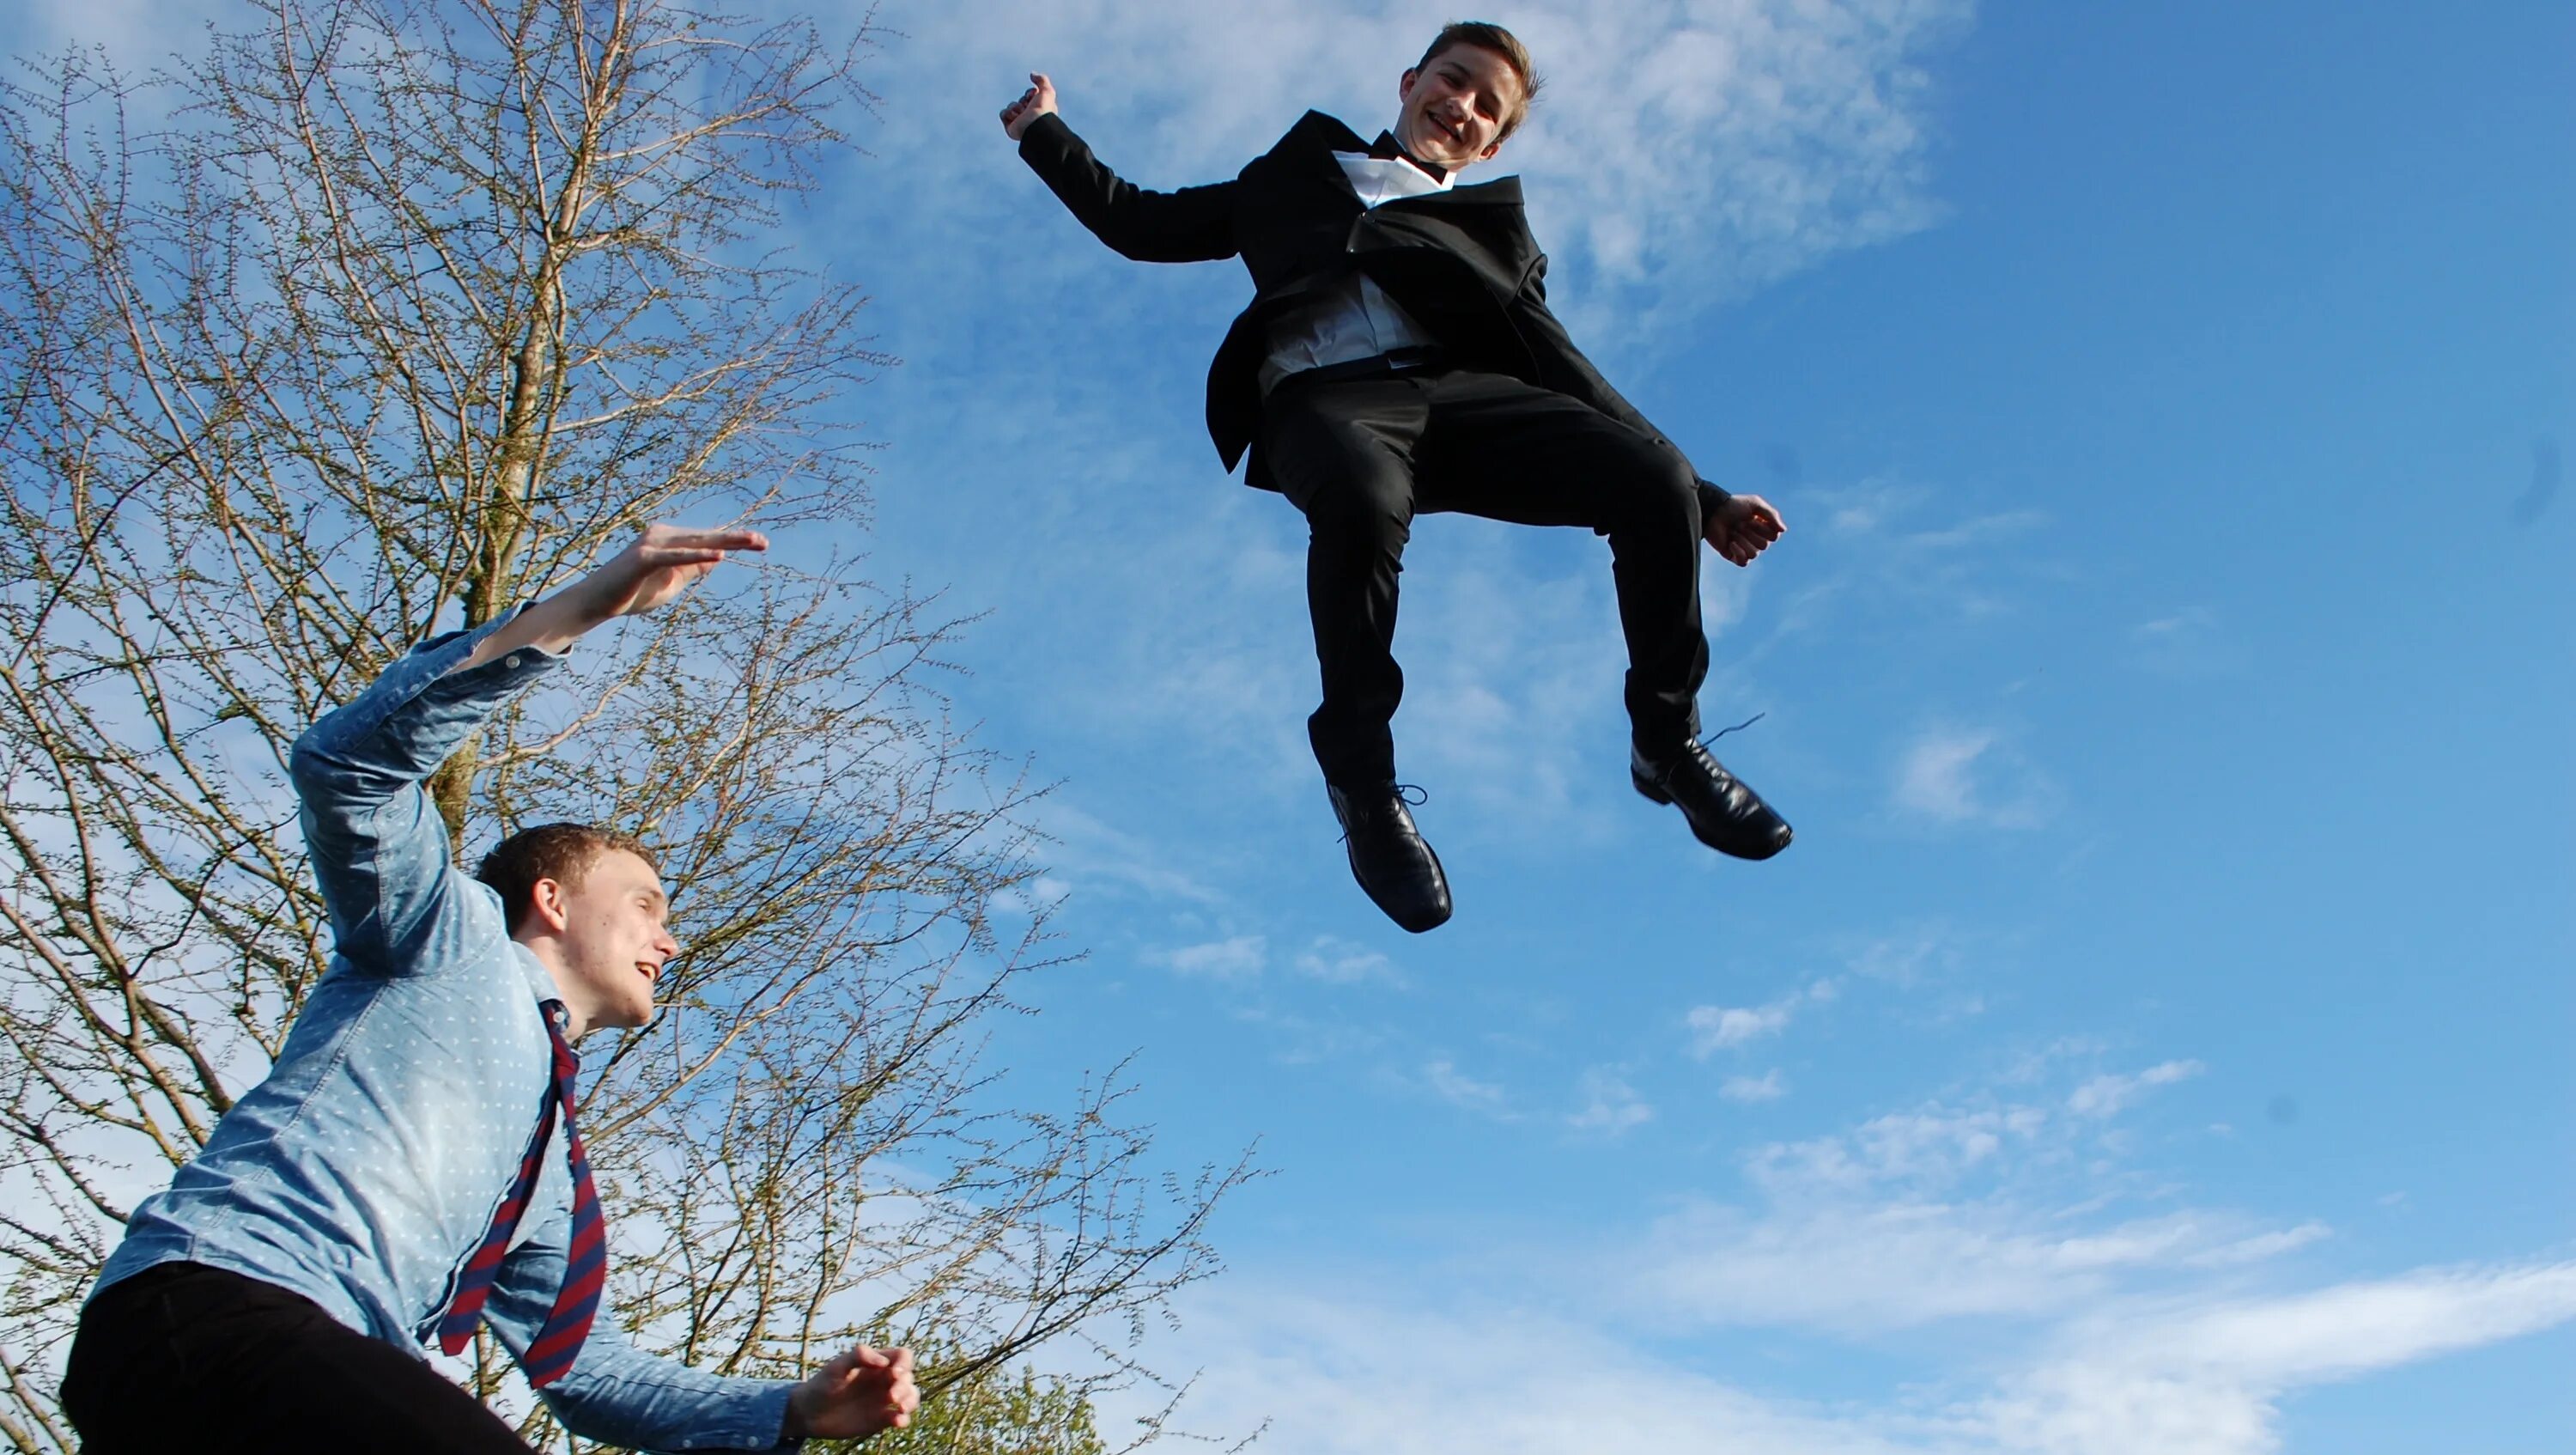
(1037, 101)
(854, 1396)
(1741, 527)
(661, 563)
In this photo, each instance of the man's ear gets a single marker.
(1404, 85)
(548, 909)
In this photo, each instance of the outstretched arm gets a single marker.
(380, 848)
(617, 1394)
(660, 564)
(1195, 224)
(854, 1396)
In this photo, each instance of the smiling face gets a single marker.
(1457, 105)
(605, 936)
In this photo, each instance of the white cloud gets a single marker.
(1766, 1087)
(2095, 1334)
(2107, 1095)
(1958, 776)
(1717, 1028)
(1905, 572)
(1325, 1370)
(2186, 643)
(1682, 153)
(1714, 1027)
(1097, 855)
(1861, 1265)
(1934, 779)
(2208, 1380)
(1461, 1090)
(1610, 1104)
(1930, 1147)
(1233, 960)
(1386, 1370)
(1337, 961)
(1937, 1212)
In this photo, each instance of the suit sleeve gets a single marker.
(1193, 225)
(1567, 371)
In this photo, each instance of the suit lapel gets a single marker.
(1316, 137)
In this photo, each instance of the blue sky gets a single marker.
(2152, 1041)
(2155, 1039)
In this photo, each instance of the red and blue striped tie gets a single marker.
(585, 1259)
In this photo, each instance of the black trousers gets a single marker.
(185, 1357)
(1363, 457)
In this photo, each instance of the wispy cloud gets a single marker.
(1680, 156)
(2533, 502)
(1903, 557)
(1610, 1104)
(1968, 1207)
(1234, 960)
(2111, 1094)
(1766, 1087)
(2208, 1380)
(1715, 1028)
(1967, 776)
(2160, 1331)
(1389, 1369)
(1100, 857)
(1857, 1267)
(1931, 1146)
(2185, 642)
(1336, 961)
(1459, 1089)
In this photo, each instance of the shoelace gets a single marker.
(1411, 795)
(1739, 727)
(1703, 744)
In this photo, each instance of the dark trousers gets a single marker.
(185, 1357)
(1363, 457)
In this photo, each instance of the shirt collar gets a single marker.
(1387, 149)
(541, 981)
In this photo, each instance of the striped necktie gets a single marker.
(585, 1258)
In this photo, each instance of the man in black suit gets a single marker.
(1399, 357)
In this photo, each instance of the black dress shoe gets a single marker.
(1388, 857)
(1725, 814)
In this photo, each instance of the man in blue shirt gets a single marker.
(412, 1164)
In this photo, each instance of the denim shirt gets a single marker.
(364, 1170)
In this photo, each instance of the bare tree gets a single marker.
(397, 312)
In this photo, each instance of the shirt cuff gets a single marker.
(449, 650)
(1048, 135)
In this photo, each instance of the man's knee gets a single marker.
(1660, 494)
(1370, 508)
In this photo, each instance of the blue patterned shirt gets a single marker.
(364, 1170)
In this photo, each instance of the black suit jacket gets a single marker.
(1461, 262)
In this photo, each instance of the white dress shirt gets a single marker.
(1353, 318)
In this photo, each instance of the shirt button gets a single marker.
(511, 660)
